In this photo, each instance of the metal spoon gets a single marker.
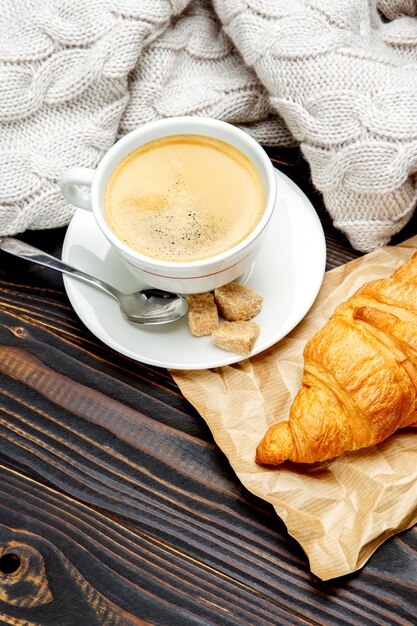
(150, 306)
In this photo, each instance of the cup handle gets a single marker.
(71, 182)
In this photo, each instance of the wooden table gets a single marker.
(104, 519)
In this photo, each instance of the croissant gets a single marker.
(359, 382)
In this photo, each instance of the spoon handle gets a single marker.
(30, 253)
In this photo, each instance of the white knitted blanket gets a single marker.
(338, 77)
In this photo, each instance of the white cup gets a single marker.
(187, 276)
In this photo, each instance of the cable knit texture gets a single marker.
(337, 77)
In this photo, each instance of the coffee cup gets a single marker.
(219, 166)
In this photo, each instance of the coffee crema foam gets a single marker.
(184, 198)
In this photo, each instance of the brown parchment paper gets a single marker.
(339, 511)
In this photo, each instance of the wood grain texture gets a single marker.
(116, 506)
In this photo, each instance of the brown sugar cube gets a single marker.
(203, 316)
(237, 302)
(236, 336)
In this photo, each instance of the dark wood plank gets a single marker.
(105, 443)
(116, 506)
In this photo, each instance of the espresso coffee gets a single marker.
(184, 198)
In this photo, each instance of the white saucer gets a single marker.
(288, 274)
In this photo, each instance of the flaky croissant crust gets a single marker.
(360, 376)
